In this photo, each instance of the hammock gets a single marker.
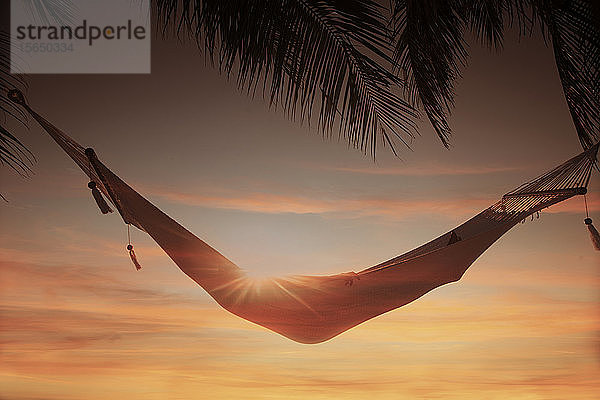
(313, 309)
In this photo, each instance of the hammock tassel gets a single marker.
(102, 205)
(133, 257)
(594, 235)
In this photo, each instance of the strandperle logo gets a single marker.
(81, 36)
(89, 33)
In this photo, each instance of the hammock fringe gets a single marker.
(131, 252)
(134, 258)
(594, 235)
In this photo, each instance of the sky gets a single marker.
(77, 321)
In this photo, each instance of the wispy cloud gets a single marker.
(425, 170)
(577, 206)
(348, 207)
(272, 203)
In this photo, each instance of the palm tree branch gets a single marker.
(486, 18)
(303, 50)
(573, 28)
(576, 44)
(429, 51)
(13, 153)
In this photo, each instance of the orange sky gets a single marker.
(76, 321)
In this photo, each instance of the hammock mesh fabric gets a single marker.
(312, 309)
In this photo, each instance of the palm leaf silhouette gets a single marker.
(574, 29)
(46, 12)
(12, 152)
(430, 50)
(341, 58)
(335, 53)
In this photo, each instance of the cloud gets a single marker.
(576, 205)
(351, 207)
(428, 170)
(274, 203)
(27, 283)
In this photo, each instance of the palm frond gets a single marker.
(13, 153)
(303, 52)
(8, 81)
(574, 30)
(47, 12)
(486, 18)
(429, 51)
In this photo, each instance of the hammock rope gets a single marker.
(313, 309)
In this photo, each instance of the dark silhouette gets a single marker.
(362, 69)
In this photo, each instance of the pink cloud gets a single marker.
(577, 206)
(428, 170)
(348, 207)
(270, 203)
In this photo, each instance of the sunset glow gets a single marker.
(78, 322)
